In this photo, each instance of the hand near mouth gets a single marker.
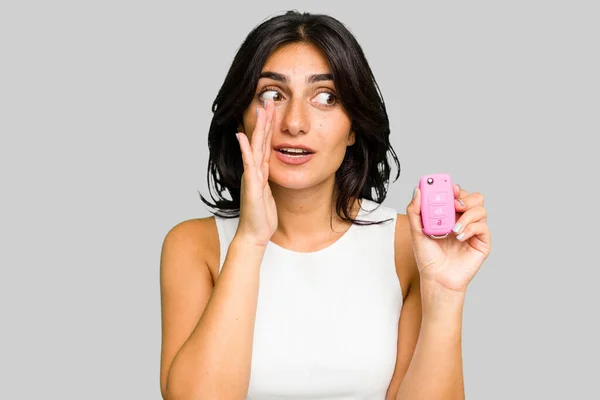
(258, 214)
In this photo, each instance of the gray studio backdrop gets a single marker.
(104, 113)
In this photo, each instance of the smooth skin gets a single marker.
(208, 318)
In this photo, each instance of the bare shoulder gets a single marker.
(189, 252)
(196, 241)
(406, 265)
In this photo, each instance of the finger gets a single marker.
(268, 148)
(469, 201)
(456, 190)
(459, 193)
(258, 136)
(473, 215)
(247, 157)
(479, 235)
(413, 212)
(269, 110)
(270, 122)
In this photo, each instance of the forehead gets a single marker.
(298, 59)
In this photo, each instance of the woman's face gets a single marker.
(297, 79)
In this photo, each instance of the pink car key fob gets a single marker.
(437, 205)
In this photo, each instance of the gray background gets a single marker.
(104, 113)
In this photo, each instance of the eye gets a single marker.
(326, 98)
(274, 95)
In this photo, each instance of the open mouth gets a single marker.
(294, 155)
(294, 152)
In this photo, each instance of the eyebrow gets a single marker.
(282, 78)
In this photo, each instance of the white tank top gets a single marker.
(326, 322)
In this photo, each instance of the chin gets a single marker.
(295, 180)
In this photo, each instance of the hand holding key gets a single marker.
(448, 262)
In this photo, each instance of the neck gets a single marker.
(306, 215)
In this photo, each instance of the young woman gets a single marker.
(303, 286)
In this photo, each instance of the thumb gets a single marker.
(413, 212)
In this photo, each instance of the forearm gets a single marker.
(436, 370)
(215, 361)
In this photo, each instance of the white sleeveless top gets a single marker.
(326, 322)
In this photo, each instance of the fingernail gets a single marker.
(461, 202)
(257, 111)
(265, 104)
(237, 136)
(415, 192)
(457, 227)
(462, 235)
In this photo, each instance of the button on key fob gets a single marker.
(438, 214)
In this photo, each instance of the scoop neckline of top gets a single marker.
(341, 239)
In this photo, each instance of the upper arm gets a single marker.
(409, 324)
(185, 286)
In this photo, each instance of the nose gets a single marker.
(295, 118)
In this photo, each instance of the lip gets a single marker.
(292, 146)
(293, 160)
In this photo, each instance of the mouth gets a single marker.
(293, 154)
(293, 150)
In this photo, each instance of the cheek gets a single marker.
(334, 150)
(334, 136)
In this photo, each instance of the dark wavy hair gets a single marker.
(365, 170)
